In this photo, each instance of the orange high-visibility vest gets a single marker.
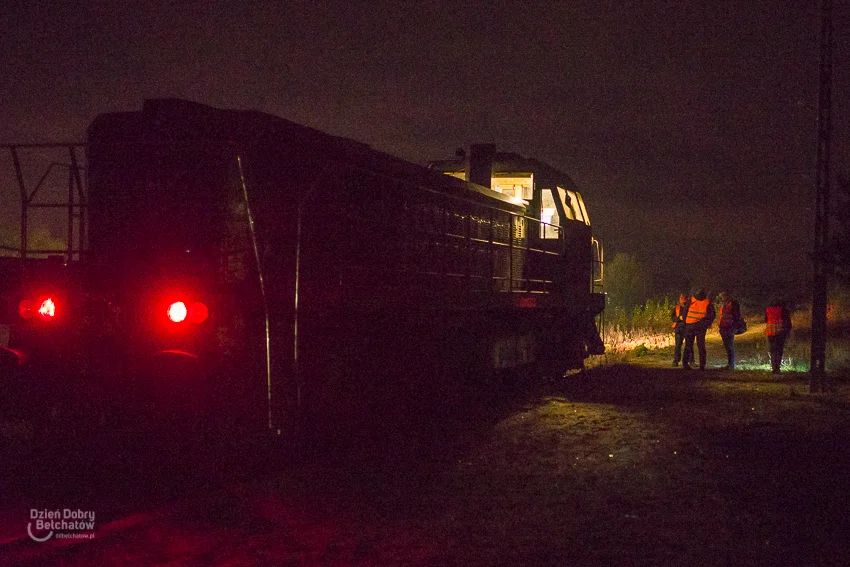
(697, 310)
(775, 324)
(678, 311)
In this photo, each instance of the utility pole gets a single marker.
(821, 260)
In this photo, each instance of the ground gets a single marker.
(630, 463)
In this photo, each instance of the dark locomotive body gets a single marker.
(337, 278)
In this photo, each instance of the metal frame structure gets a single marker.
(822, 261)
(76, 203)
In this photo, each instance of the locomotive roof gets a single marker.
(509, 163)
(172, 120)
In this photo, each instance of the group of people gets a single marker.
(693, 317)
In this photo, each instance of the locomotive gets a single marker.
(248, 266)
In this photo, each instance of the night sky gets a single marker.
(690, 127)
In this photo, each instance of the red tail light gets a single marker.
(198, 312)
(177, 312)
(25, 308)
(47, 309)
(195, 312)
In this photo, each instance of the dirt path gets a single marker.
(751, 351)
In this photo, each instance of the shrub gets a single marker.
(646, 326)
(640, 350)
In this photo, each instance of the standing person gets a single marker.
(677, 316)
(777, 327)
(699, 316)
(729, 316)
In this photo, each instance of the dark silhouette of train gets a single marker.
(242, 262)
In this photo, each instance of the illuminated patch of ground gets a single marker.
(654, 467)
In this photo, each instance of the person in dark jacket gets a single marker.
(777, 318)
(677, 317)
(729, 318)
(699, 316)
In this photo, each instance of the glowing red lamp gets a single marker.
(47, 309)
(198, 312)
(25, 308)
(177, 312)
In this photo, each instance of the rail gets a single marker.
(508, 257)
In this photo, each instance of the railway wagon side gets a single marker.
(274, 272)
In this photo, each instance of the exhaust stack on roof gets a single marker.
(479, 164)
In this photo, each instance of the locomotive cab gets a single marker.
(555, 208)
(558, 225)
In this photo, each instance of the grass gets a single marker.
(628, 335)
(645, 327)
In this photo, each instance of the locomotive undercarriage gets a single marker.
(384, 368)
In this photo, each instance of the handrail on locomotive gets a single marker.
(76, 223)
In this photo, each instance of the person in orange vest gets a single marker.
(777, 327)
(699, 315)
(677, 317)
(729, 317)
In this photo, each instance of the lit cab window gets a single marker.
(519, 186)
(549, 219)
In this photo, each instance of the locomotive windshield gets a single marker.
(573, 207)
